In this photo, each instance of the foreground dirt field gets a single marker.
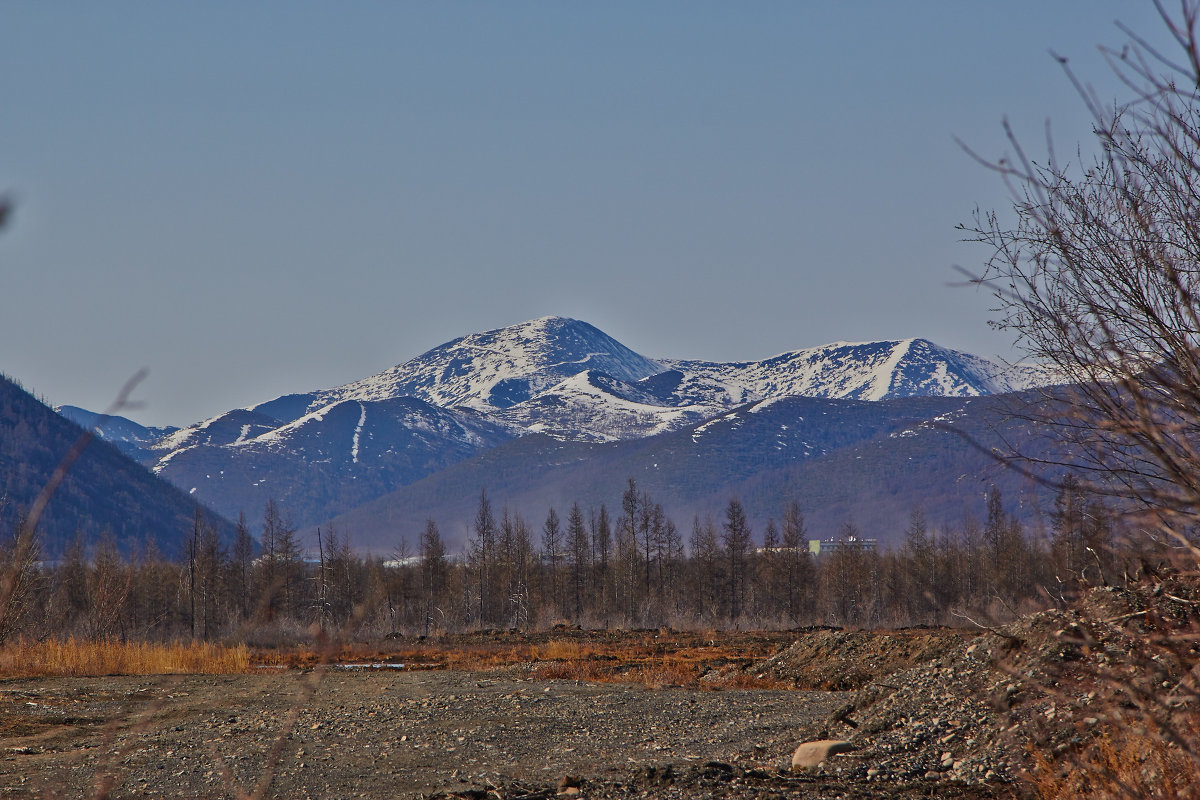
(1061, 698)
(517, 730)
(370, 734)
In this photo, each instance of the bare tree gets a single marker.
(601, 547)
(242, 566)
(515, 568)
(798, 566)
(552, 555)
(706, 569)
(280, 562)
(109, 581)
(18, 579)
(1097, 273)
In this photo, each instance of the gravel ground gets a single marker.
(388, 734)
(936, 714)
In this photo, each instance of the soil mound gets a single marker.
(1033, 693)
(836, 660)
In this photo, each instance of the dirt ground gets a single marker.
(512, 731)
(369, 733)
(930, 713)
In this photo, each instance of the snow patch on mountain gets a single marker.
(881, 377)
(231, 428)
(362, 419)
(592, 406)
(763, 405)
(731, 418)
(284, 433)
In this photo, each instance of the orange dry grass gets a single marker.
(647, 658)
(76, 657)
(561, 649)
(1120, 764)
(669, 671)
(681, 668)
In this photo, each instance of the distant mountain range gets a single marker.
(554, 410)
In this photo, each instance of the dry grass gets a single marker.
(645, 658)
(1118, 764)
(656, 662)
(1139, 663)
(76, 657)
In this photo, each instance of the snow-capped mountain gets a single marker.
(340, 455)
(842, 370)
(495, 369)
(570, 380)
(592, 406)
(866, 462)
(324, 450)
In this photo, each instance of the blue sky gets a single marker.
(250, 199)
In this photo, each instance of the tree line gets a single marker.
(629, 567)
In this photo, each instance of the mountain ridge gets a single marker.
(552, 376)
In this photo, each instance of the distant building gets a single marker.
(762, 551)
(398, 563)
(823, 547)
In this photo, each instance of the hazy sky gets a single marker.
(256, 198)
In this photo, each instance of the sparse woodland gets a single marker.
(635, 568)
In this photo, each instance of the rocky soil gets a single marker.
(371, 733)
(931, 713)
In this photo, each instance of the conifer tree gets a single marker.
(432, 552)
(551, 558)
(578, 551)
(482, 555)
(737, 544)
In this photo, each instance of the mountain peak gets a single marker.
(499, 368)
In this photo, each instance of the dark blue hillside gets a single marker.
(104, 494)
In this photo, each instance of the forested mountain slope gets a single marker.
(103, 494)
